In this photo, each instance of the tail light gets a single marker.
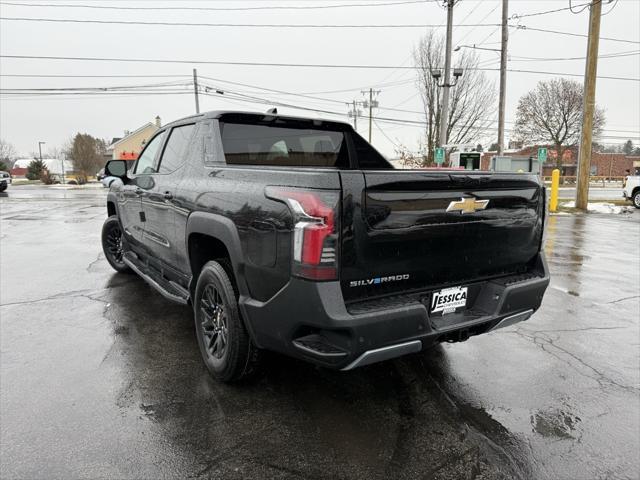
(315, 234)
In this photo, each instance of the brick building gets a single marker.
(602, 164)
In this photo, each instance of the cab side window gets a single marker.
(146, 161)
(176, 148)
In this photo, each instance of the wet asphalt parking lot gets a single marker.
(100, 376)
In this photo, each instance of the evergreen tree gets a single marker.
(36, 169)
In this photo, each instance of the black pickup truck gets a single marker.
(295, 235)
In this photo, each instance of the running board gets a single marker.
(168, 289)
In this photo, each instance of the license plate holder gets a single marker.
(448, 300)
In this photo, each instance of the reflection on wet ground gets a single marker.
(101, 376)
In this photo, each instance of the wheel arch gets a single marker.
(112, 203)
(111, 208)
(210, 236)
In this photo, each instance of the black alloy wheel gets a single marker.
(225, 345)
(213, 323)
(113, 244)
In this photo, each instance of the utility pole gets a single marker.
(447, 70)
(371, 104)
(355, 116)
(503, 75)
(370, 112)
(195, 89)
(588, 106)
(355, 113)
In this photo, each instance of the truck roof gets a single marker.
(219, 113)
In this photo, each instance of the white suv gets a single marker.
(631, 189)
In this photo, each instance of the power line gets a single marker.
(388, 85)
(100, 89)
(297, 65)
(216, 9)
(234, 25)
(64, 75)
(516, 16)
(231, 95)
(213, 87)
(615, 2)
(471, 12)
(600, 57)
(385, 135)
(571, 34)
(584, 7)
(299, 25)
(481, 20)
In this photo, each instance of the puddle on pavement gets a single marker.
(555, 424)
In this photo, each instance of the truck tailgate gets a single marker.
(420, 230)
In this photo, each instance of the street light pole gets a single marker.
(40, 149)
(62, 160)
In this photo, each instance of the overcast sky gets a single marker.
(25, 120)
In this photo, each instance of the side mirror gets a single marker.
(116, 168)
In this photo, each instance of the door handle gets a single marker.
(138, 191)
(167, 195)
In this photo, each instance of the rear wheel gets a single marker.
(636, 198)
(224, 343)
(113, 244)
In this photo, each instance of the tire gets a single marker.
(3, 188)
(636, 198)
(225, 345)
(113, 244)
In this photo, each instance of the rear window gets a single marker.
(290, 145)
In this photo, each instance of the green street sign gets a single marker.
(439, 155)
(542, 154)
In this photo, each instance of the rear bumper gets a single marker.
(310, 321)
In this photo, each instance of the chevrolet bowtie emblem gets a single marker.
(467, 205)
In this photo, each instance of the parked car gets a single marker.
(5, 180)
(295, 235)
(631, 189)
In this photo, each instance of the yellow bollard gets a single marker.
(555, 184)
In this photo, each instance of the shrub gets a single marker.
(46, 177)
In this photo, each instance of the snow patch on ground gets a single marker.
(601, 207)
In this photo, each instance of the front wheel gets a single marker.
(113, 244)
(224, 343)
(636, 199)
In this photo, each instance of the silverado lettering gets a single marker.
(379, 280)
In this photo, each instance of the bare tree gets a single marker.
(552, 114)
(409, 158)
(84, 152)
(471, 100)
(7, 154)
